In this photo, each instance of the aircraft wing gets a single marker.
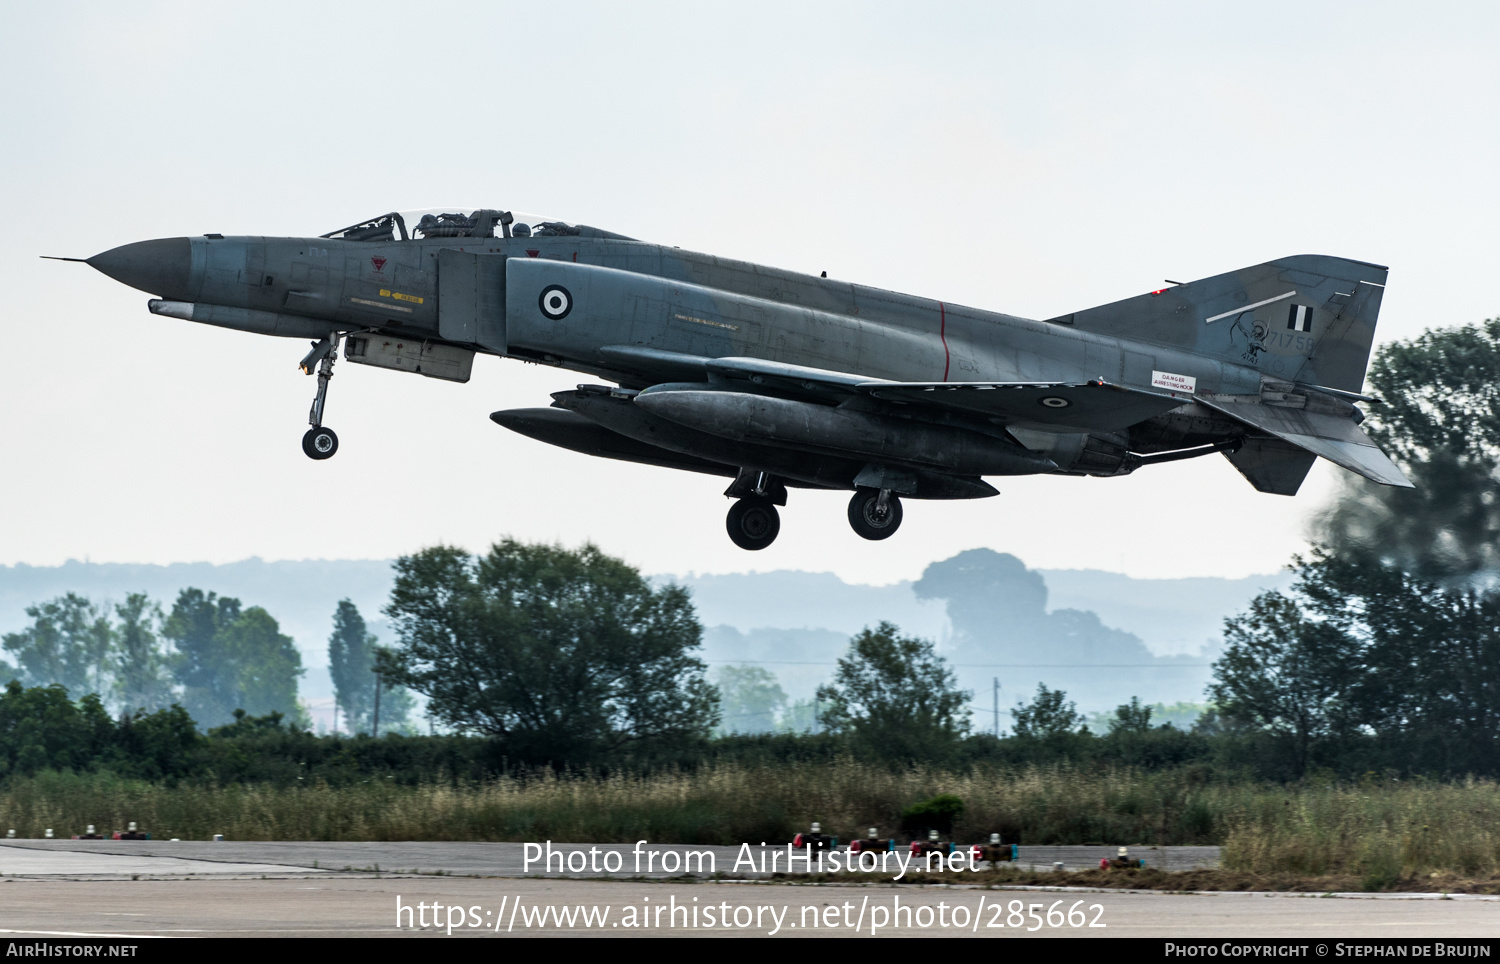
(1090, 406)
(1337, 439)
(1085, 406)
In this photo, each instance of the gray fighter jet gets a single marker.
(777, 379)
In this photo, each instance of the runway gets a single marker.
(157, 888)
(365, 906)
(503, 859)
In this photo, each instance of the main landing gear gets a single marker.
(753, 521)
(320, 442)
(875, 513)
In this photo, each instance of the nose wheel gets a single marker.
(320, 442)
(753, 523)
(875, 513)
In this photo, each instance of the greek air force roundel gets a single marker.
(556, 302)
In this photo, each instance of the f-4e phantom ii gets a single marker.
(781, 380)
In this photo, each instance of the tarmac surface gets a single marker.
(125, 889)
(106, 858)
(365, 906)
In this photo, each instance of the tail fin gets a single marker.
(1308, 318)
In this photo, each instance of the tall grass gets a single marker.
(1381, 830)
(715, 804)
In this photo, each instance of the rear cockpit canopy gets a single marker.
(446, 223)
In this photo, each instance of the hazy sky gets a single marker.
(1034, 159)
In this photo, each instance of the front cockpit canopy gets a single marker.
(446, 223)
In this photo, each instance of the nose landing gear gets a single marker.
(320, 442)
(875, 513)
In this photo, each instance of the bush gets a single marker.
(937, 813)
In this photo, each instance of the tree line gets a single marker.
(210, 655)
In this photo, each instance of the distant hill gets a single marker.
(795, 623)
(1170, 615)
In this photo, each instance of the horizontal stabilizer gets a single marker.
(1335, 438)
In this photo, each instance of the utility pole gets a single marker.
(997, 707)
(376, 726)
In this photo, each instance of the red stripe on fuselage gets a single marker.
(943, 334)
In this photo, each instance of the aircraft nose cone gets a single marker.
(160, 267)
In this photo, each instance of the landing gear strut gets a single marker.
(875, 513)
(320, 442)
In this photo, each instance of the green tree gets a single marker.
(801, 716)
(41, 729)
(200, 664)
(750, 698)
(394, 708)
(351, 663)
(1377, 638)
(1361, 646)
(263, 665)
(1287, 673)
(1049, 714)
(564, 654)
(1439, 419)
(894, 694)
(142, 672)
(1131, 717)
(231, 658)
(68, 644)
(156, 745)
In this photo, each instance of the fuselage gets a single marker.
(306, 287)
(309, 287)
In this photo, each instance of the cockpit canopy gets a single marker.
(449, 223)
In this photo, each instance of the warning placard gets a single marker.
(1176, 383)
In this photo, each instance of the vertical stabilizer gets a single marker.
(1307, 318)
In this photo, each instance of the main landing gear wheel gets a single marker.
(875, 514)
(320, 443)
(753, 523)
